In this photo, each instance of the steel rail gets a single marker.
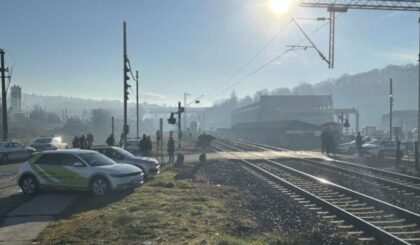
(343, 163)
(373, 230)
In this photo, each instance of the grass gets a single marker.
(163, 211)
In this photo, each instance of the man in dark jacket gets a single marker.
(143, 145)
(171, 149)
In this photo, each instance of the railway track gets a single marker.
(357, 214)
(409, 185)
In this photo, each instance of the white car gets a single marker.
(49, 143)
(77, 170)
(10, 150)
(381, 148)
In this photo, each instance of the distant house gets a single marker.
(313, 109)
(291, 134)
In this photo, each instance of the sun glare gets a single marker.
(280, 7)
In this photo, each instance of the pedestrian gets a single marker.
(324, 136)
(143, 145)
(76, 142)
(149, 146)
(359, 142)
(89, 140)
(83, 142)
(171, 149)
(110, 140)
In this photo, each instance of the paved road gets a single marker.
(10, 194)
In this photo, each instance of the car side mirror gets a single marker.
(78, 165)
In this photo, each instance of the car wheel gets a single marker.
(99, 186)
(380, 154)
(29, 185)
(4, 158)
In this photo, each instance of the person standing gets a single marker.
(359, 142)
(149, 146)
(143, 145)
(76, 142)
(171, 149)
(83, 143)
(110, 140)
(89, 140)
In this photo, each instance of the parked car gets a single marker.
(77, 169)
(49, 143)
(381, 148)
(133, 146)
(150, 166)
(10, 150)
(349, 147)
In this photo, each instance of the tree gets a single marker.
(100, 122)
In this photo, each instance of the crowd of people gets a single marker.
(83, 142)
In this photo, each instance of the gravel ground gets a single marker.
(274, 211)
(367, 187)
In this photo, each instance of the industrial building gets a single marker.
(313, 109)
(292, 134)
(16, 98)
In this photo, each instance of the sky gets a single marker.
(74, 48)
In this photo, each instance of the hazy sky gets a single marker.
(74, 48)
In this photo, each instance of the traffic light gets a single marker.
(127, 86)
(172, 119)
(346, 123)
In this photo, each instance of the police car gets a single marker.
(77, 169)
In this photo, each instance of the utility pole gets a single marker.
(125, 63)
(3, 95)
(179, 125)
(391, 102)
(112, 126)
(185, 111)
(418, 97)
(137, 102)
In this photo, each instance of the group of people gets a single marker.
(146, 146)
(83, 142)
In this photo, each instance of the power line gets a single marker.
(225, 82)
(269, 62)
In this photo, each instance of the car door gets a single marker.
(20, 151)
(74, 172)
(49, 168)
(11, 150)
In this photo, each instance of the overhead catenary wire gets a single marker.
(269, 62)
(253, 57)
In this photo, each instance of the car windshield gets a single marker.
(123, 152)
(43, 140)
(96, 159)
